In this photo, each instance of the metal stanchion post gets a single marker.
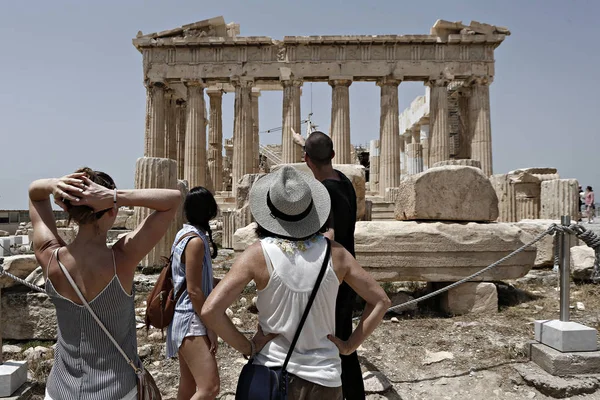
(565, 270)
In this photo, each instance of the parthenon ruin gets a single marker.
(182, 64)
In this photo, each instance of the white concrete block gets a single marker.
(566, 336)
(4, 246)
(13, 374)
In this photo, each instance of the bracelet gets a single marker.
(252, 350)
(115, 199)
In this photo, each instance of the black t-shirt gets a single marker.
(343, 210)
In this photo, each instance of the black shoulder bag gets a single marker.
(257, 382)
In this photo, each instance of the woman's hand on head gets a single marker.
(96, 196)
(69, 187)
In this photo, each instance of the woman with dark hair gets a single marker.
(87, 365)
(590, 204)
(291, 209)
(192, 274)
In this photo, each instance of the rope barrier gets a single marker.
(17, 279)
(588, 237)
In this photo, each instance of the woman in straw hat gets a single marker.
(291, 210)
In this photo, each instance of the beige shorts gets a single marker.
(301, 389)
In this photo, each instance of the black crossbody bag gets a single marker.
(257, 382)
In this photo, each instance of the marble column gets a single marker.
(414, 153)
(255, 129)
(479, 123)
(340, 119)
(374, 166)
(155, 172)
(405, 141)
(242, 132)
(214, 178)
(155, 120)
(439, 141)
(290, 151)
(425, 145)
(180, 117)
(389, 139)
(170, 127)
(195, 135)
(464, 133)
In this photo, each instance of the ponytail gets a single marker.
(214, 245)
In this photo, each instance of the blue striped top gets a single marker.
(184, 310)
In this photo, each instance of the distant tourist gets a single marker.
(187, 336)
(291, 209)
(87, 365)
(590, 204)
(581, 202)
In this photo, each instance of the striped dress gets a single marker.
(184, 310)
(87, 366)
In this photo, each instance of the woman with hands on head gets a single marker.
(87, 365)
(291, 210)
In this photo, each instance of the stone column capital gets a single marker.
(151, 84)
(242, 81)
(292, 82)
(437, 82)
(388, 81)
(255, 92)
(340, 80)
(214, 92)
(195, 83)
(480, 80)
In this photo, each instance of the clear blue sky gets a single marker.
(72, 92)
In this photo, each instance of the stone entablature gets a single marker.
(365, 58)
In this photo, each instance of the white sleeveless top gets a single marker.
(293, 269)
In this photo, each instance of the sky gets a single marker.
(72, 90)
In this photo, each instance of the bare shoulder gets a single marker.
(253, 254)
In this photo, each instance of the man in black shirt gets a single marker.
(318, 153)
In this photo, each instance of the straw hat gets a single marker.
(290, 203)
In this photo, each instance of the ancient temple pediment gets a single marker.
(212, 27)
(444, 28)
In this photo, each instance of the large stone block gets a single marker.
(430, 251)
(28, 316)
(559, 197)
(354, 172)
(530, 229)
(583, 260)
(21, 266)
(471, 297)
(449, 193)
(527, 195)
(13, 374)
(566, 336)
(558, 363)
(438, 251)
(542, 173)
